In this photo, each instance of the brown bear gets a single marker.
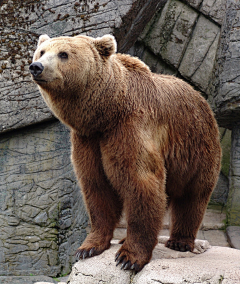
(141, 142)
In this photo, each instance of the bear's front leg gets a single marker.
(103, 204)
(136, 170)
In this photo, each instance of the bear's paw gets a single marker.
(131, 260)
(180, 244)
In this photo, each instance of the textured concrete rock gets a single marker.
(226, 149)
(215, 9)
(233, 235)
(155, 63)
(214, 237)
(195, 3)
(198, 60)
(220, 193)
(213, 220)
(233, 204)
(169, 34)
(42, 216)
(226, 83)
(22, 22)
(216, 265)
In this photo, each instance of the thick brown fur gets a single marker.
(141, 142)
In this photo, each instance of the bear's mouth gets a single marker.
(39, 80)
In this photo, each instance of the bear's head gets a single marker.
(68, 70)
(66, 63)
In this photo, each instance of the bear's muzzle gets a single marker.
(36, 68)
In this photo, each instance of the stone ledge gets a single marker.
(233, 236)
(215, 265)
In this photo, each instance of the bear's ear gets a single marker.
(106, 45)
(42, 38)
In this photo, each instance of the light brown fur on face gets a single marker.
(141, 142)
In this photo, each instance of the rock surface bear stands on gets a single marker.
(216, 265)
(139, 141)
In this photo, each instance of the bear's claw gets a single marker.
(126, 264)
(83, 253)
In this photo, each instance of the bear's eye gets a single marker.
(42, 52)
(63, 55)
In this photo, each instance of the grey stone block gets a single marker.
(169, 34)
(215, 9)
(195, 3)
(220, 193)
(233, 235)
(198, 61)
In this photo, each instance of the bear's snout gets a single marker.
(36, 69)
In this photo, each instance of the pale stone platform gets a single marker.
(206, 265)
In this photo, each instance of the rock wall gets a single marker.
(182, 39)
(42, 217)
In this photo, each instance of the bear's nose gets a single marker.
(36, 68)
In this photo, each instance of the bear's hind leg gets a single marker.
(103, 204)
(187, 213)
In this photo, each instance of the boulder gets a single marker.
(208, 265)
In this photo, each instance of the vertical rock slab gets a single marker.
(42, 216)
(169, 35)
(226, 98)
(198, 61)
(233, 205)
